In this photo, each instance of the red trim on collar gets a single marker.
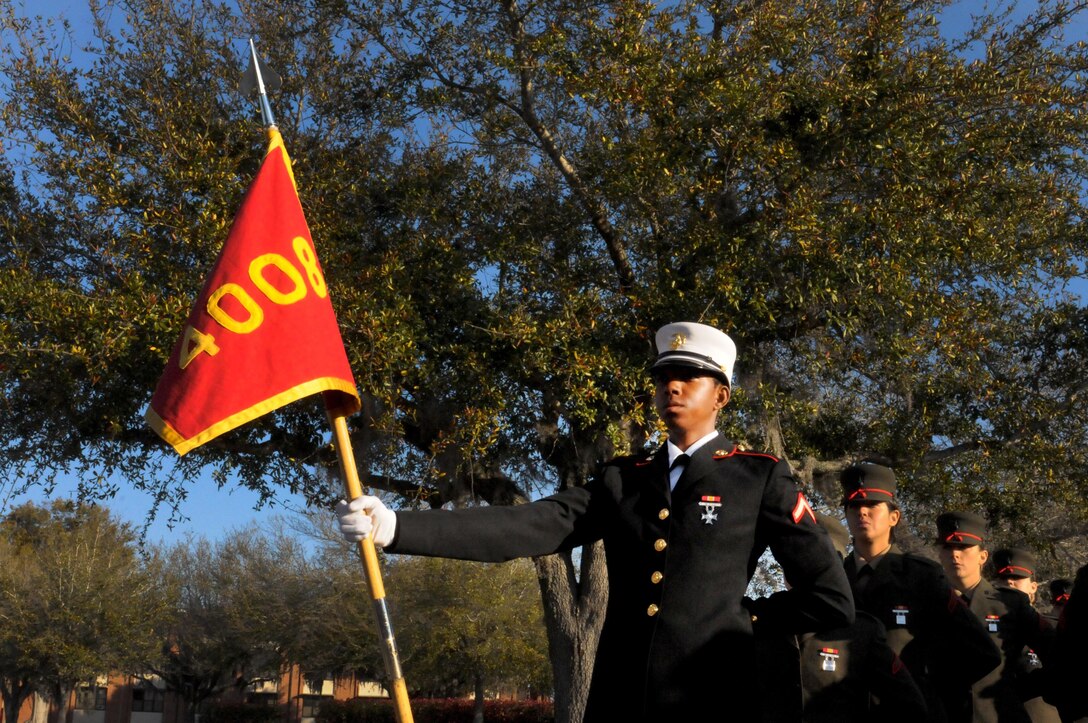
(756, 454)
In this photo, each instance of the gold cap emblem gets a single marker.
(677, 341)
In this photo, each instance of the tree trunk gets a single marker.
(12, 702)
(40, 712)
(574, 609)
(13, 697)
(478, 704)
(61, 695)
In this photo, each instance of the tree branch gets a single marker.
(527, 112)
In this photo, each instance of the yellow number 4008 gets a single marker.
(197, 342)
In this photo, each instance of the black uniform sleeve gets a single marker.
(1069, 665)
(1038, 633)
(500, 533)
(819, 596)
(896, 697)
(962, 652)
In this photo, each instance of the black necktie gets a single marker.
(680, 461)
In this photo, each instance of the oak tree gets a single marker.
(509, 198)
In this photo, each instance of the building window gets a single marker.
(146, 698)
(91, 697)
(311, 704)
(268, 699)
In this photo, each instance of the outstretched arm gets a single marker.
(484, 534)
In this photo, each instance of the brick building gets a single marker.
(119, 698)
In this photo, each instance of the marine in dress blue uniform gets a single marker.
(1059, 590)
(1015, 626)
(1014, 567)
(681, 544)
(841, 675)
(1069, 667)
(929, 627)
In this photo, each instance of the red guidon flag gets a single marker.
(262, 332)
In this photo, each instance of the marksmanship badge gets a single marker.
(710, 504)
(830, 657)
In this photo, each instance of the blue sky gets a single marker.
(211, 511)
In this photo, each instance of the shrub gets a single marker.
(436, 710)
(241, 713)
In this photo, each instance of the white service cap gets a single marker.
(689, 344)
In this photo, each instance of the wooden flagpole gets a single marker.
(254, 79)
(369, 556)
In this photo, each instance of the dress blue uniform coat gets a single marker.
(676, 643)
(843, 675)
(1014, 626)
(929, 627)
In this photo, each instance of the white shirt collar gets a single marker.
(675, 451)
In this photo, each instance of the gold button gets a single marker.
(656, 577)
(652, 610)
(660, 545)
(663, 514)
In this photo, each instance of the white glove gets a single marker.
(366, 516)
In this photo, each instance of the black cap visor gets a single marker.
(690, 361)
